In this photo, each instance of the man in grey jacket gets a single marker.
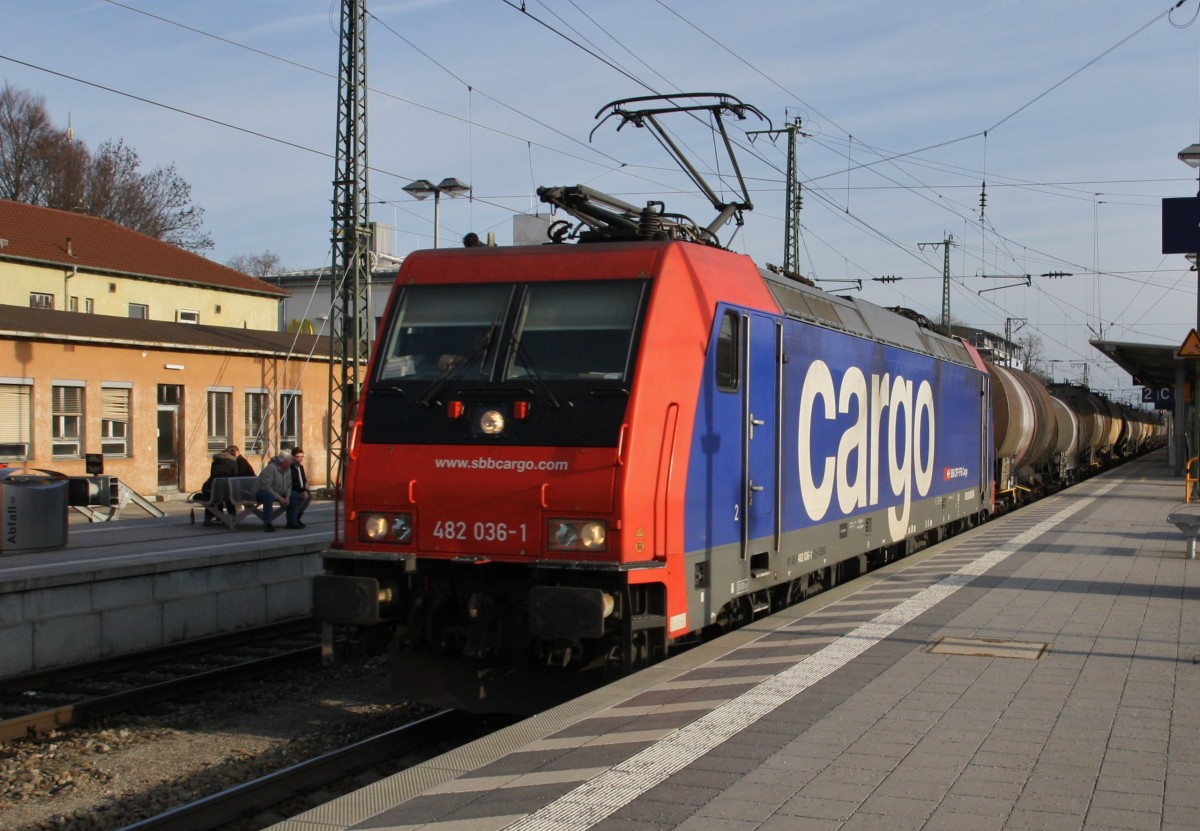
(274, 485)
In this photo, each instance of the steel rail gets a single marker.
(42, 722)
(16, 684)
(259, 794)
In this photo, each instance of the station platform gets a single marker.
(141, 582)
(1038, 672)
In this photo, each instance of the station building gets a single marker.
(117, 345)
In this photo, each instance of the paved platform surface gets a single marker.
(1039, 672)
(140, 544)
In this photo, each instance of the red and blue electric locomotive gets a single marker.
(578, 456)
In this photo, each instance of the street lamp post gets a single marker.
(1190, 156)
(422, 189)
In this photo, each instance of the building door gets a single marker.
(170, 397)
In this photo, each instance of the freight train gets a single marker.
(582, 456)
(585, 455)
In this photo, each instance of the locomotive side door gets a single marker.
(761, 438)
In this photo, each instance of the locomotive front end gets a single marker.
(482, 527)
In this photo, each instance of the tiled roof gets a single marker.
(47, 324)
(44, 235)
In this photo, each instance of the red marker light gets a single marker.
(454, 409)
(520, 409)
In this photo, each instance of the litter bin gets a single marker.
(33, 510)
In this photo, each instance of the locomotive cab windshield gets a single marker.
(554, 345)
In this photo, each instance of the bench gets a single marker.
(239, 491)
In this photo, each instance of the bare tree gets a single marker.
(66, 167)
(42, 165)
(1033, 354)
(261, 265)
(25, 132)
(157, 203)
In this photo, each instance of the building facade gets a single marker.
(155, 399)
(66, 261)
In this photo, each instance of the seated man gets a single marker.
(274, 485)
(301, 493)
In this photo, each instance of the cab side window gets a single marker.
(729, 344)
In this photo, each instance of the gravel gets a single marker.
(110, 774)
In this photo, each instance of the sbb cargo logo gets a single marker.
(875, 407)
(954, 473)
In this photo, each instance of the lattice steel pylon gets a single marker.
(794, 197)
(791, 225)
(946, 244)
(350, 305)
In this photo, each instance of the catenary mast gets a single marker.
(350, 275)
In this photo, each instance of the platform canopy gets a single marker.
(1150, 364)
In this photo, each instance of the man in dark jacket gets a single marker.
(301, 493)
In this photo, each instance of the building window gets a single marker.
(41, 300)
(73, 304)
(114, 421)
(289, 420)
(15, 411)
(170, 395)
(139, 310)
(89, 306)
(255, 442)
(187, 316)
(66, 426)
(220, 420)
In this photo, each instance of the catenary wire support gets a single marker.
(350, 287)
(946, 244)
(794, 197)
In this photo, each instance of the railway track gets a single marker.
(428, 736)
(34, 705)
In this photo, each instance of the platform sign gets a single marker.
(1190, 348)
(1163, 398)
(1181, 225)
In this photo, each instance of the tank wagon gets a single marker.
(1050, 436)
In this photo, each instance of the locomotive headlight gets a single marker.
(402, 528)
(592, 536)
(566, 536)
(375, 527)
(385, 528)
(491, 422)
(589, 535)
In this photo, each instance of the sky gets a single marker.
(1041, 137)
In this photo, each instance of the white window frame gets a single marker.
(256, 422)
(187, 316)
(291, 408)
(116, 418)
(67, 407)
(220, 424)
(16, 418)
(145, 308)
(41, 300)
